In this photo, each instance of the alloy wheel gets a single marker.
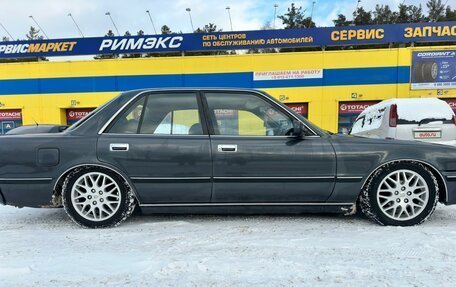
(402, 194)
(96, 196)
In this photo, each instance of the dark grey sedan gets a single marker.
(219, 151)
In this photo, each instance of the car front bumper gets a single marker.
(450, 179)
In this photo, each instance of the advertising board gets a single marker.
(433, 70)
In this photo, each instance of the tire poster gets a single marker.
(434, 70)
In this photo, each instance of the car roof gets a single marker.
(196, 89)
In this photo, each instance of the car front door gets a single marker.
(256, 158)
(161, 142)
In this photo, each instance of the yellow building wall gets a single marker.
(323, 101)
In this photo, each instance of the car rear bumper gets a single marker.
(26, 194)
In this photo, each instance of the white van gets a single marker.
(423, 119)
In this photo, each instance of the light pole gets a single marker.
(151, 21)
(190, 15)
(41, 29)
(113, 23)
(12, 38)
(275, 16)
(76, 24)
(229, 15)
(311, 13)
(356, 11)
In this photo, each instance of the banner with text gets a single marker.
(434, 70)
(292, 38)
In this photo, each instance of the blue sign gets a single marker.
(434, 69)
(291, 38)
(7, 126)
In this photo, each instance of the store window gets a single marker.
(300, 108)
(74, 115)
(10, 119)
(348, 111)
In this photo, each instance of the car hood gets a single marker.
(365, 140)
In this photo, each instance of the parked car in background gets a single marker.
(423, 119)
(219, 151)
(37, 129)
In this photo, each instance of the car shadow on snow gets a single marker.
(443, 216)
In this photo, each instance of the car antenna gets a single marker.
(36, 123)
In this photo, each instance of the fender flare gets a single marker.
(62, 176)
(427, 164)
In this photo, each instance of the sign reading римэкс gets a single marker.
(292, 38)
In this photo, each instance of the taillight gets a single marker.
(454, 120)
(393, 116)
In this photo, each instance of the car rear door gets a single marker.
(161, 142)
(257, 161)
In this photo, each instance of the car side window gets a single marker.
(162, 114)
(128, 122)
(171, 114)
(247, 115)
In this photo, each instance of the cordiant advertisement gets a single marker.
(434, 70)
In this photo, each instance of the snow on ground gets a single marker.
(41, 247)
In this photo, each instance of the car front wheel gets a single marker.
(401, 194)
(97, 198)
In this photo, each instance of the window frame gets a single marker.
(211, 117)
(146, 94)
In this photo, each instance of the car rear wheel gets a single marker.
(97, 198)
(402, 194)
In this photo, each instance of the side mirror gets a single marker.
(299, 130)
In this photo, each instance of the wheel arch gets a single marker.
(57, 189)
(443, 196)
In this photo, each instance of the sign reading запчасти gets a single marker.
(304, 37)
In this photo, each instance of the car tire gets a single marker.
(430, 71)
(400, 194)
(97, 198)
(418, 72)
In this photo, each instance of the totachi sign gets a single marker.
(74, 115)
(10, 115)
(10, 119)
(354, 107)
(451, 103)
(301, 108)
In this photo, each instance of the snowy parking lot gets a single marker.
(42, 247)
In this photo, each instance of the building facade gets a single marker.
(329, 87)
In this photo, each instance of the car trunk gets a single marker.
(437, 132)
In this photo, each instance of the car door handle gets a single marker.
(227, 148)
(119, 147)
